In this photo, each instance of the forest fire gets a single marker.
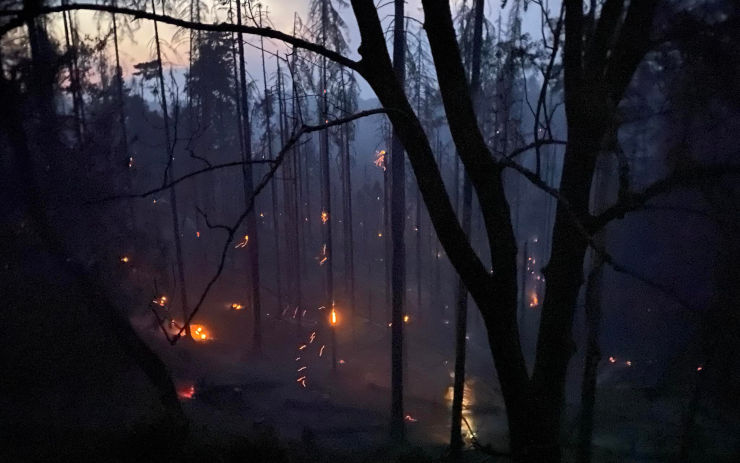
(380, 159)
(495, 142)
(243, 242)
(322, 257)
(467, 402)
(200, 333)
(333, 318)
(186, 392)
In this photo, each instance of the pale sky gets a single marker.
(140, 48)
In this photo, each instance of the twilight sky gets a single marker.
(138, 46)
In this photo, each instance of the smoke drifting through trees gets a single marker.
(522, 155)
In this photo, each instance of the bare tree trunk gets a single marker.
(169, 175)
(124, 155)
(253, 245)
(349, 253)
(326, 185)
(458, 392)
(273, 185)
(74, 85)
(398, 225)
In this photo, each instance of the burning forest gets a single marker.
(330, 230)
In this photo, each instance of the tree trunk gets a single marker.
(170, 175)
(326, 185)
(124, 155)
(253, 245)
(273, 183)
(456, 442)
(398, 225)
(349, 254)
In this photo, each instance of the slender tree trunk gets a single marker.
(326, 184)
(169, 176)
(124, 155)
(253, 245)
(591, 364)
(349, 253)
(398, 225)
(456, 442)
(287, 211)
(273, 184)
(74, 86)
(299, 245)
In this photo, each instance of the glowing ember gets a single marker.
(130, 162)
(262, 214)
(699, 368)
(322, 257)
(534, 301)
(186, 392)
(628, 363)
(124, 259)
(380, 159)
(342, 362)
(197, 234)
(161, 301)
(236, 306)
(324, 216)
(380, 235)
(199, 333)
(612, 360)
(333, 319)
(243, 242)
(406, 318)
(410, 419)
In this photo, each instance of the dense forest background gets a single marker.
(403, 231)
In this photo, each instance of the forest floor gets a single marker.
(229, 391)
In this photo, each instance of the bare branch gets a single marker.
(21, 16)
(279, 158)
(683, 179)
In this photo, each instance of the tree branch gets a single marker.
(634, 201)
(232, 230)
(21, 16)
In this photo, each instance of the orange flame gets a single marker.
(199, 333)
(380, 159)
(243, 243)
(333, 319)
(324, 216)
(534, 301)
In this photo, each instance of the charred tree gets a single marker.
(398, 227)
(253, 241)
(169, 175)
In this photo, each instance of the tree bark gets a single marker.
(168, 176)
(253, 245)
(398, 226)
